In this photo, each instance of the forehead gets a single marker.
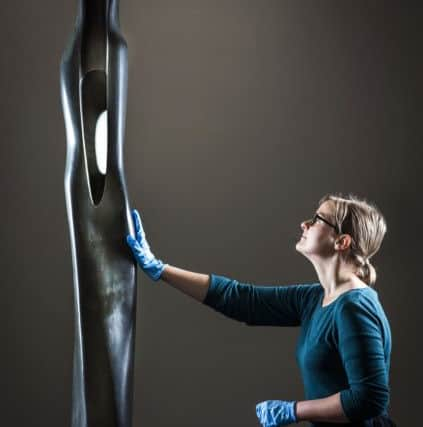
(327, 208)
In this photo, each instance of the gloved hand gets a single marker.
(140, 248)
(275, 413)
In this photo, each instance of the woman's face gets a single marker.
(318, 238)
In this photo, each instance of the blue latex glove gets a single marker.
(141, 249)
(274, 413)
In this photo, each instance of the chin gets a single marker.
(303, 251)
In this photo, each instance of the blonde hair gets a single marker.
(366, 225)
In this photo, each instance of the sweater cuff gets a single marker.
(211, 291)
(347, 405)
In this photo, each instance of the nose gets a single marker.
(305, 224)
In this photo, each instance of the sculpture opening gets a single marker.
(101, 142)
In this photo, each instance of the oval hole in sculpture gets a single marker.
(101, 142)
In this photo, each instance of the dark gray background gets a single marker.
(241, 115)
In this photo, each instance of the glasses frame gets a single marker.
(316, 216)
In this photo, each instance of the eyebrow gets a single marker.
(323, 215)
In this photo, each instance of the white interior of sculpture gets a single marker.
(101, 142)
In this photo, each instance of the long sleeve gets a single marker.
(361, 349)
(259, 305)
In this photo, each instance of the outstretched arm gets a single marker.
(252, 304)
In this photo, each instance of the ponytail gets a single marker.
(367, 273)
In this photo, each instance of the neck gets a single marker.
(335, 275)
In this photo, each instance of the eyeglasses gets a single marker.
(316, 216)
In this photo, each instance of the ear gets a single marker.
(343, 242)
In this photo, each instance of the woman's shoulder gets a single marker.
(360, 302)
(359, 296)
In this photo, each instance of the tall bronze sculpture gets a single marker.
(94, 83)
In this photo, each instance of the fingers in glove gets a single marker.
(134, 245)
(139, 231)
(131, 241)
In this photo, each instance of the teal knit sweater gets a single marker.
(343, 347)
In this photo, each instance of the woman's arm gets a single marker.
(327, 410)
(361, 351)
(254, 305)
(190, 283)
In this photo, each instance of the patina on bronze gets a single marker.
(93, 80)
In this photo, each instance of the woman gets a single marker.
(344, 346)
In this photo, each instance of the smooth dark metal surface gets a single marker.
(93, 80)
